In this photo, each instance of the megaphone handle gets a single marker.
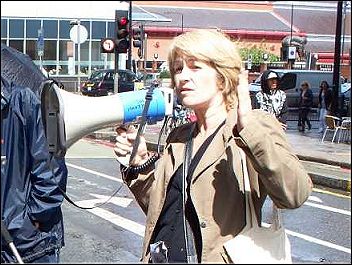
(140, 132)
(143, 122)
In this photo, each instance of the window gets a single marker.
(98, 29)
(98, 58)
(3, 28)
(111, 30)
(49, 49)
(32, 27)
(17, 44)
(64, 29)
(50, 29)
(31, 49)
(16, 28)
(109, 76)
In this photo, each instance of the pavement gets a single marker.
(328, 163)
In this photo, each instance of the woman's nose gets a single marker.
(185, 74)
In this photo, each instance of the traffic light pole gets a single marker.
(116, 68)
(129, 54)
(336, 73)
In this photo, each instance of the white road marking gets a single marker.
(314, 240)
(112, 217)
(94, 172)
(328, 208)
(119, 201)
(314, 198)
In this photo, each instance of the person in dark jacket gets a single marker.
(325, 101)
(271, 99)
(30, 179)
(305, 104)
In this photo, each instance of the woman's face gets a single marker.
(272, 83)
(323, 85)
(196, 83)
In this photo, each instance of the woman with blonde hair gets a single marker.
(193, 195)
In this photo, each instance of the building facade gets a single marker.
(43, 29)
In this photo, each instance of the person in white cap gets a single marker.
(271, 98)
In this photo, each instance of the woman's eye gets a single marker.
(178, 70)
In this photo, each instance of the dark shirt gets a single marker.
(169, 227)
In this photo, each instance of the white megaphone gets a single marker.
(68, 117)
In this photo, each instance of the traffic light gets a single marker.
(138, 40)
(122, 31)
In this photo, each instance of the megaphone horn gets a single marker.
(68, 117)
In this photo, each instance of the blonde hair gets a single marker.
(305, 83)
(216, 49)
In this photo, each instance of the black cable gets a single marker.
(71, 201)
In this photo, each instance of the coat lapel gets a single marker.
(216, 147)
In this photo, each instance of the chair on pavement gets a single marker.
(345, 130)
(332, 125)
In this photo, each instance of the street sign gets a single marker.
(107, 45)
(292, 53)
(83, 34)
(40, 42)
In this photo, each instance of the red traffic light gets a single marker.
(123, 21)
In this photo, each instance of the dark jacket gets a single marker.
(327, 98)
(306, 102)
(29, 192)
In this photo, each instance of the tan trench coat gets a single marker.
(217, 183)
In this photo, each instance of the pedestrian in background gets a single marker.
(30, 196)
(195, 205)
(271, 99)
(305, 104)
(325, 101)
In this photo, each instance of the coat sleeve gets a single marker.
(47, 173)
(282, 174)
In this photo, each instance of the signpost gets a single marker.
(40, 46)
(79, 35)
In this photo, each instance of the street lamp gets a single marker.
(78, 23)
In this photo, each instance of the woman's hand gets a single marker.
(244, 100)
(124, 145)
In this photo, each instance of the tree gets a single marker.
(257, 55)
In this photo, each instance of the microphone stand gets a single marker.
(6, 235)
